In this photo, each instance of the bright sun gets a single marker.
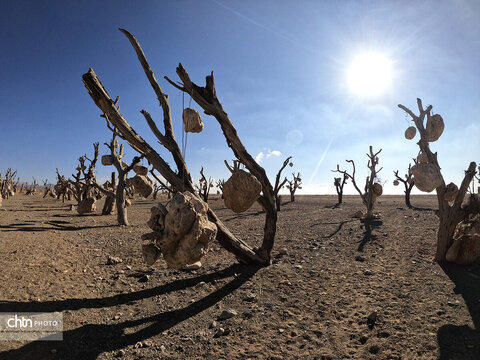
(369, 74)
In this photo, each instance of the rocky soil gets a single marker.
(331, 293)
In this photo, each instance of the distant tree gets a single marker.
(407, 182)
(278, 184)
(372, 189)
(140, 182)
(293, 185)
(339, 184)
(204, 186)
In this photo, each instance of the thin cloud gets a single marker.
(261, 155)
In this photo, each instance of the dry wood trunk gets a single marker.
(120, 200)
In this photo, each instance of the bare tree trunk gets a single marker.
(278, 201)
(120, 200)
(110, 200)
(408, 190)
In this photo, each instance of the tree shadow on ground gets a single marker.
(340, 225)
(337, 205)
(87, 342)
(462, 342)
(245, 215)
(55, 225)
(370, 224)
(422, 209)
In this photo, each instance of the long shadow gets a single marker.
(421, 209)
(88, 341)
(340, 225)
(337, 205)
(22, 227)
(462, 342)
(370, 224)
(245, 215)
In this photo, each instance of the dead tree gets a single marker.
(407, 182)
(478, 182)
(8, 184)
(293, 185)
(219, 184)
(163, 185)
(48, 190)
(278, 184)
(428, 177)
(110, 200)
(204, 186)
(181, 181)
(84, 183)
(372, 189)
(339, 184)
(32, 189)
(63, 188)
(140, 182)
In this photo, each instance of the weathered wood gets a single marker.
(449, 215)
(407, 183)
(368, 197)
(206, 98)
(278, 184)
(182, 180)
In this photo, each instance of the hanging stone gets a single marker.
(377, 189)
(451, 192)
(140, 169)
(435, 126)
(141, 185)
(181, 231)
(410, 132)
(426, 176)
(192, 121)
(241, 191)
(107, 160)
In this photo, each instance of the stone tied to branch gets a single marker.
(451, 192)
(192, 120)
(107, 160)
(140, 169)
(377, 189)
(435, 126)
(426, 176)
(181, 231)
(142, 185)
(410, 132)
(241, 191)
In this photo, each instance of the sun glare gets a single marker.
(369, 74)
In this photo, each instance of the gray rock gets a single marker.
(227, 314)
(113, 260)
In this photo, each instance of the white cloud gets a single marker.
(261, 155)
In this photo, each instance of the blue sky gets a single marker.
(281, 74)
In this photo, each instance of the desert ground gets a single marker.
(332, 292)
